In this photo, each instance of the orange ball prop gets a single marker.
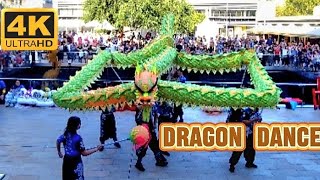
(140, 136)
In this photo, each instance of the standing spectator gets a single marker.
(285, 56)
(277, 53)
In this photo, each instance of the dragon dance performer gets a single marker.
(248, 117)
(108, 127)
(178, 111)
(165, 113)
(153, 143)
(72, 168)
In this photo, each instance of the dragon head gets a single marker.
(146, 84)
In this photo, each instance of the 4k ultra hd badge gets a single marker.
(29, 29)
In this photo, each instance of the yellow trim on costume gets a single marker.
(4, 91)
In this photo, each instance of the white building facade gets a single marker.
(234, 17)
(28, 3)
(70, 13)
(293, 26)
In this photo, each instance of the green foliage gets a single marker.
(102, 31)
(297, 7)
(101, 10)
(145, 14)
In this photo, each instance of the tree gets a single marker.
(297, 7)
(101, 10)
(143, 13)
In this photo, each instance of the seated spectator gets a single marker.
(17, 86)
(2, 91)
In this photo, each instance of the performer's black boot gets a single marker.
(139, 165)
(251, 165)
(102, 142)
(231, 168)
(166, 153)
(161, 163)
(116, 144)
(161, 160)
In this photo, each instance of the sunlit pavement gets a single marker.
(28, 135)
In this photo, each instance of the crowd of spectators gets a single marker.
(10, 59)
(295, 54)
(80, 47)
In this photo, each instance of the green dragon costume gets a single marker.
(156, 59)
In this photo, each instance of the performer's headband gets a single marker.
(151, 89)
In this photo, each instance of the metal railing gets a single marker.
(81, 58)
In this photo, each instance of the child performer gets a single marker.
(72, 167)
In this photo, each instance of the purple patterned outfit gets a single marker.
(72, 168)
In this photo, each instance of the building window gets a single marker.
(236, 13)
(77, 12)
(219, 13)
(251, 13)
(239, 13)
(201, 11)
(232, 13)
(70, 12)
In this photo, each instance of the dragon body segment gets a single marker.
(154, 60)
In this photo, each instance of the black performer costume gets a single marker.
(178, 112)
(153, 144)
(249, 117)
(165, 112)
(108, 127)
(178, 109)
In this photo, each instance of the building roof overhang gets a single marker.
(285, 19)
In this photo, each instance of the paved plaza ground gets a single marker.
(28, 135)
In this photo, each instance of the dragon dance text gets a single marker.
(202, 137)
(287, 137)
